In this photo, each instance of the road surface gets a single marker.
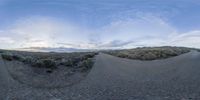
(114, 78)
(4, 80)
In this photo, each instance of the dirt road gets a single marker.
(4, 80)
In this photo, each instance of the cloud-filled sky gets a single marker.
(99, 24)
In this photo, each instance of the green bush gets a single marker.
(18, 57)
(1, 51)
(87, 63)
(7, 56)
(28, 60)
(49, 63)
(44, 63)
(38, 64)
(68, 62)
(91, 55)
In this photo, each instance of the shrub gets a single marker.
(122, 55)
(87, 63)
(67, 62)
(38, 63)
(63, 62)
(18, 57)
(49, 63)
(44, 63)
(90, 55)
(82, 58)
(149, 56)
(7, 56)
(49, 71)
(28, 60)
(72, 62)
(86, 56)
(1, 51)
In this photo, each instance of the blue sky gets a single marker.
(99, 23)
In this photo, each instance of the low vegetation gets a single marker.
(150, 53)
(1, 51)
(82, 61)
(7, 56)
(44, 63)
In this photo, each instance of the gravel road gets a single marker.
(4, 80)
(114, 78)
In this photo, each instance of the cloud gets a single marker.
(42, 31)
(142, 30)
(134, 28)
(145, 30)
(6, 40)
(188, 39)
(128, 32)
(115, 44)
(70, 45)
(35, 31)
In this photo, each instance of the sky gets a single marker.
(99, 24)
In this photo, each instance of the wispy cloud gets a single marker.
(132, 28)
(41, 31)
(188, 39)
(6, 40)
(142, 30)
(114, 44)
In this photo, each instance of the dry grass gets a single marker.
(150, 53)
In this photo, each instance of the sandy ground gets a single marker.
(114, 78)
